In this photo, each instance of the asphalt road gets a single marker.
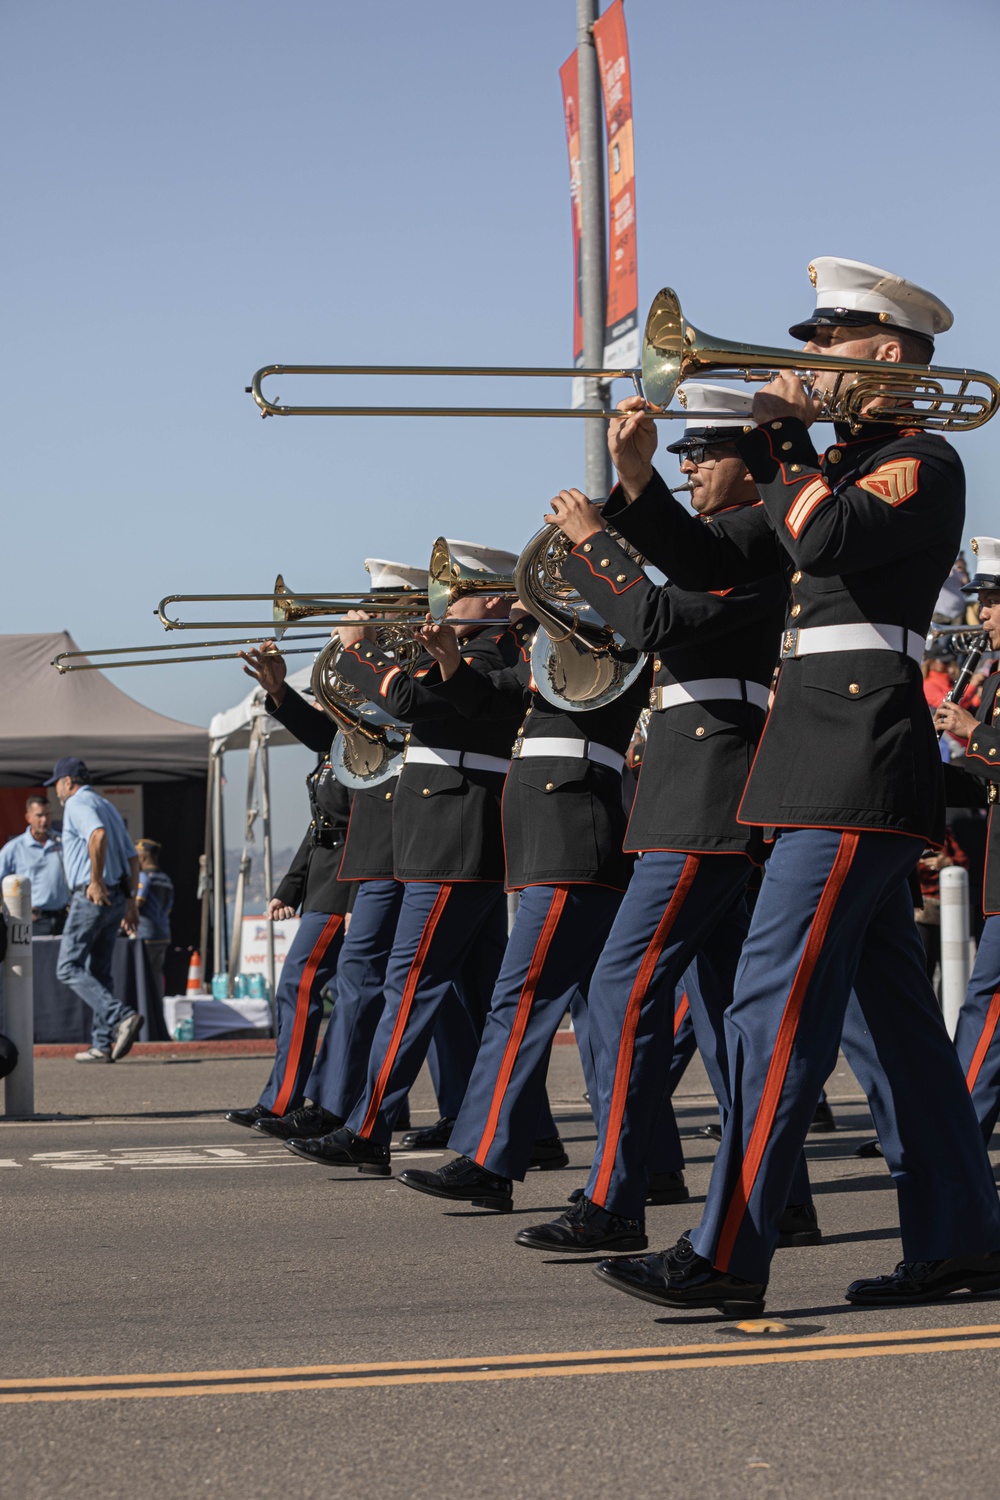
(147, 1240)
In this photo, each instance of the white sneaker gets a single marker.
(92, 1054)
(126, 1034)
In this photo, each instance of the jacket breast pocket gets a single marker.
(697, 721)
(426, 782)
(555, 775)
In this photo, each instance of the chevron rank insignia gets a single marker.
(894, 481)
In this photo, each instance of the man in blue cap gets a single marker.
(102, 872)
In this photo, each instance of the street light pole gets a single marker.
(593, 247)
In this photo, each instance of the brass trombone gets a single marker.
(368, 746)
(935, 398)
(447, 580)
(80, 661)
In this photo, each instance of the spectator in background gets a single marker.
(940, 668)
(950, 608)
(102, 872)
(37, 854)
(928, 916)
(155, 902)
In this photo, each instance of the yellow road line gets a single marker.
(505, 1367)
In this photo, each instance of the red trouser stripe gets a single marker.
(294, 1057)
(405, 1006)
(683, 1006)
(524, 1004)
(626, 1044)
(983, 1045)
(782, 1053)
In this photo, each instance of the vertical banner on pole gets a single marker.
(569, 75)
(621, 339)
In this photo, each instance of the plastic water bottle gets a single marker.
(257, 986)
(240, 987)
(220, 986)
(184, 1030)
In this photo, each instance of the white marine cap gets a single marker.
(701, 396)
(987, 574)
(395, 575)
(850, 293)
(481, 559)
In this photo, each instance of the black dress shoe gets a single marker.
(711, 1132)
(870, 1148)
(302, 1124)
(429, 1137)
(463, 1181)
(583, 1229)
(822, 1120)
(667, 1187)
(342, 1148)
(548, 1155)
(928, 1281)
(248, 1117)
(799, 1225)
(679, 1277)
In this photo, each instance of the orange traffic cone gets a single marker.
(194, 975)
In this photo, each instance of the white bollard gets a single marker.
(18, 996)
(954, 943)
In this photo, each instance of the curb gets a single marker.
(243, 1047)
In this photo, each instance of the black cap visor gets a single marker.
(708, 437)
(845, 317)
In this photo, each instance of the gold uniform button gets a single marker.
(550, 786)
(834, 456)
(854, 688)
(796, 611)
(975, 745)
(605, 562)
(427, 791)
(621, 578)
(796, 468)
(993, 752)
(785, 447)
(657, 665)
(776, 426)
(587, 547)
(796, 577)
(388, 796)
(700, 730)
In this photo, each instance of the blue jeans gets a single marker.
(88, 941)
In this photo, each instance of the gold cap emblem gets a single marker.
(812, 273)
(974, 544)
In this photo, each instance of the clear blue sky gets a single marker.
(194, 189)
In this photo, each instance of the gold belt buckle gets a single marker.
(789, 643)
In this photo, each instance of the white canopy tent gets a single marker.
(246, 726)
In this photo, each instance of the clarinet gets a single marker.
(977, 646)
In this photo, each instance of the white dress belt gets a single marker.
(469, 760)
(572, 750)
(707, 690)
(817, 640)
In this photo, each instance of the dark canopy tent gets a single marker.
(48, 714)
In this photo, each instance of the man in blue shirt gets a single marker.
(37, 854)
(102, 872)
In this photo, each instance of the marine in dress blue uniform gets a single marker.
(563, 827)
(714, 655)
(36, 854)
(447, 851)
(848, 772)
(361, 861)
(977, 1036)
